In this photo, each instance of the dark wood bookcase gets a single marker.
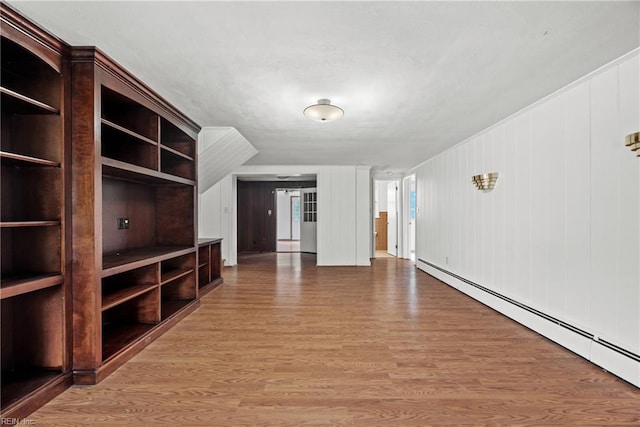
(34, 282)
(134, 201)
(98, 216)
(209, 264)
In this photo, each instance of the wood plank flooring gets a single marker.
(285, 343)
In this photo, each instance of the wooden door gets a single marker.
(381, 232)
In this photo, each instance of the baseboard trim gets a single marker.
(617, 360)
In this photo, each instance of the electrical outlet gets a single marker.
(123, 223)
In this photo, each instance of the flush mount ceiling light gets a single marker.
(323, 111)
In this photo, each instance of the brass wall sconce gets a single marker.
(486, 181)
(633, 142)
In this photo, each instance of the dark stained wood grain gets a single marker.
(17, 285)
(209, 265)
(175, 215)
(136, 202)
(26, 135)
(87, 219)
(36, 345)
(125, 261)
(257, 229)
(287, 343)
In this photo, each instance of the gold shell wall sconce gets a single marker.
(633, 142)
(485, 181)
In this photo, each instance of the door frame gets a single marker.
(407, 230)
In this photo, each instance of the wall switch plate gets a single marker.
(123, 223)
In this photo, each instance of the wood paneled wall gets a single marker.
(560, 231)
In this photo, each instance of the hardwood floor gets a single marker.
(284, 343)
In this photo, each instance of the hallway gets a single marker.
(283, 342)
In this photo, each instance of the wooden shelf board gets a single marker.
(22, 382)
(176, 152)
(128, 260)
(16, 102)
(128, 132)
(15, 224)
(172, 275)
(117, 337)
(115, 298)
(21, 159)
(21, 284)
(170, 307)
(118, 169)
(204, 264)
(145, 335)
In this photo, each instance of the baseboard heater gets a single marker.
(590, 336)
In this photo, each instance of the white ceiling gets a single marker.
(413, 77)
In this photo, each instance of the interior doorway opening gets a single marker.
(386, 207)
(409, 217)
(288, 212)
(256, 226)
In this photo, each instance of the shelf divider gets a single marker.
(172, 275)
(124, 261)
(128, 132)
(115, 298)
(118, 169)
(20, 158)
(15, 224)
(176, 152)
(13, 286)
(37, 106)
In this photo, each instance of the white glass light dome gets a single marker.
(323, 111)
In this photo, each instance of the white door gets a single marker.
(296, 212)
(392, 218)
(308, 226)
(410, 239)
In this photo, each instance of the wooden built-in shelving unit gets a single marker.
(98, 172)
(209, 264)
(34, 284)
(132, 283)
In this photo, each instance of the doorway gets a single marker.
(288, 220)
(409, 217)
(309, 226)
(386, 218)
(257, 227)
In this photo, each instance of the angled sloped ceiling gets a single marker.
(220, 151)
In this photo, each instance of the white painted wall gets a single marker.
(220, 151)
(560, 232)
(364, 219)
(283, 213)
(337, 215)
(381, 197)
(217, 216)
